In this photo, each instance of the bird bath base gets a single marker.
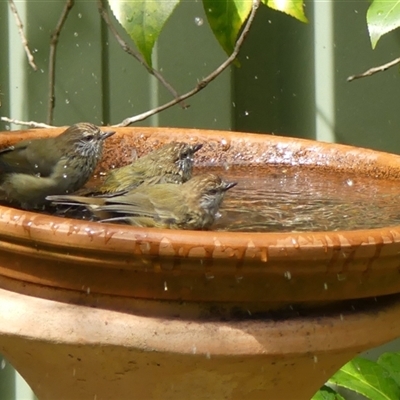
(66, 351)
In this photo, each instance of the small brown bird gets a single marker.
(33, 169)
(171, 163)
(192, 205)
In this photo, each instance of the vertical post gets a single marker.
(16, 72)
(324, 71)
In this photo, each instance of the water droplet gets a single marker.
(246, 113)
(199, 21)
(341, 317)
(287, 275)
(3, 363)
(325, 286)
(249, 312)
(88, 290)
(349, 182)
(341, 277)
(165, 286)
(35, 50)
(75, 34)
(295, 243)
(65, 176)
(209, 276)
(315, 359)
(73, 372)
(36, 166)
(79, 15)
(194, 349)
(66, 101)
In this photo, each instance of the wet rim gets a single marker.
(69, 233)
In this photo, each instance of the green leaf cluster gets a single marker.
(378, 380)
(144, 20)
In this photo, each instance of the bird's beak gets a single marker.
(105, 135)
(229, 185)
(197, 147)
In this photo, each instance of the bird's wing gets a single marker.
(158, 202)
(135, 205)
(29, 157)
(142, 222)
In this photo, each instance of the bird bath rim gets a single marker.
(195, 135)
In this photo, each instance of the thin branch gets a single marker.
(52, 58)
(205, 81)
(375, 70)
(32, 124)
(20, 27)
(134, 53)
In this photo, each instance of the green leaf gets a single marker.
(327, 393)
(291, 7)
(367, 378)
(382, 17)
(226, 19)
(391, 362)
(143, 20)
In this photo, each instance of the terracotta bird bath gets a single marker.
(101, 311)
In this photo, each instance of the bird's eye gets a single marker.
(89, 137)
(213, 191)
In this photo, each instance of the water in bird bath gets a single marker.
(287, 199)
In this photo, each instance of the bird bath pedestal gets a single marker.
(101, 311)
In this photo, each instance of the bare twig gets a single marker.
(205, 81)
(32, 124)
(375, 70)
(52, 58)
(20, 27)
(134, 53)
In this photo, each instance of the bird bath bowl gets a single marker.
(101, 311)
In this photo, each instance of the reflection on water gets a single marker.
(284, 199)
